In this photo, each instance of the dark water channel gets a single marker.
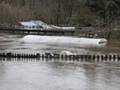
(24, 75)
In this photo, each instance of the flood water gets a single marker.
(13, 43)
(59, 76)
(32, 75)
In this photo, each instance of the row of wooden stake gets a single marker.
(50, 56)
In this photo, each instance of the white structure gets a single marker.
(34, 25)
(64, 52)
(64, 40)
(41, 25)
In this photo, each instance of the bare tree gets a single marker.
(112, 11)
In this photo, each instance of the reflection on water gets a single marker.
(59, 76)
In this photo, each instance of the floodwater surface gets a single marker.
(38, 75)
(59, 76)
(13, 43)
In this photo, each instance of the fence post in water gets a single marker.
(22, 55)
(110, 57)
(89, 57)
(102, 58)
(32, 55)
(94, 57)
(77, 57)
(25, 55)
(61, 56)
(105, 58)
(38, 56)
(43, 56)
(98, 58)
(29, 56)
(85, 58)
(69, 57)
(81, 57)
(14, 55)
(65, 57)
(118, 57)
(4, 55)
(48, 55)
(8, 55)
(74, 57)
(114, 57)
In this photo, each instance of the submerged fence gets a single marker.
(60, 57)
